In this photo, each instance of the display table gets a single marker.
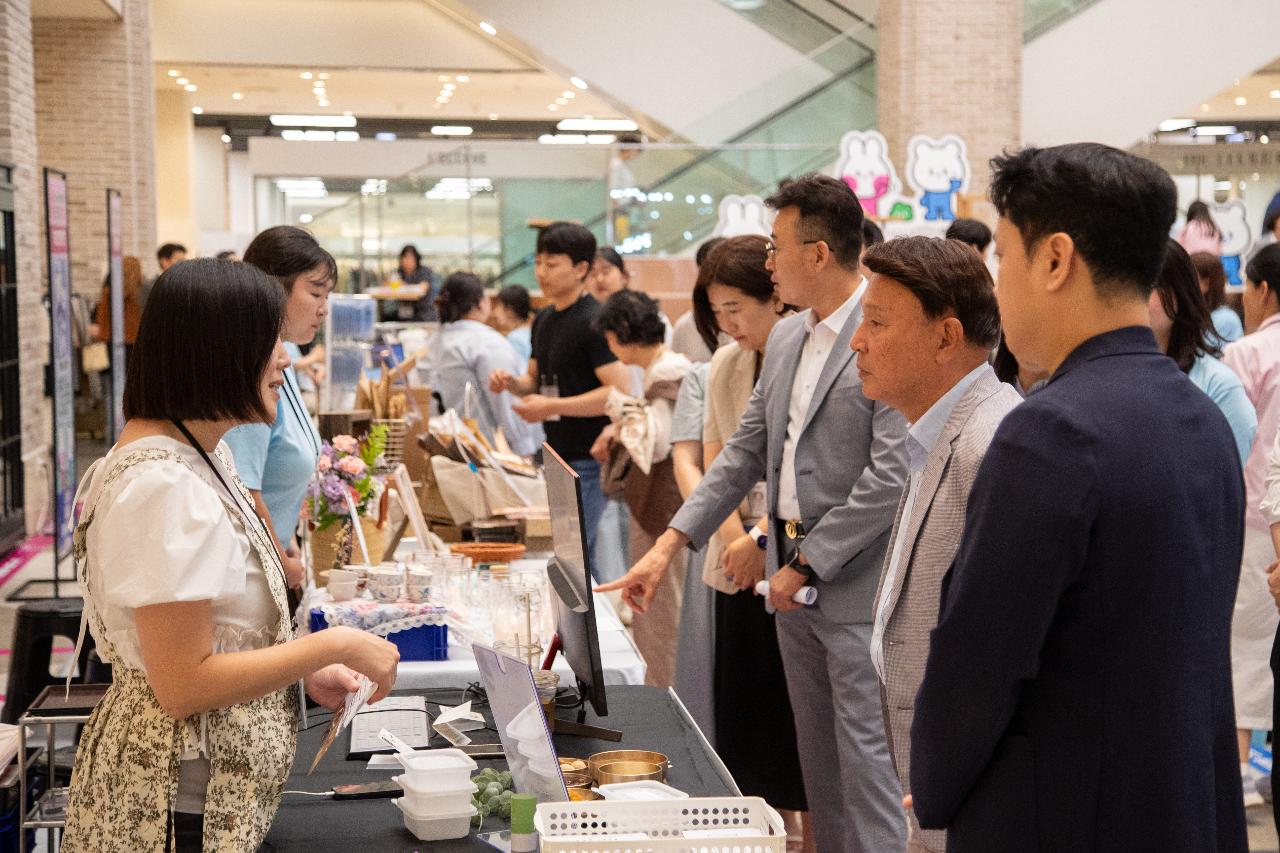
(650, 718)
(621, 660)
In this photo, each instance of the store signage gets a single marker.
(115, 246)
(61, 353)
(1218, 159)
(742, 214)
(937, 171)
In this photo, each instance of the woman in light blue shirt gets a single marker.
(276, 462)
(513, 316)
(1213, 284)
(1180, 318)
(466, 351)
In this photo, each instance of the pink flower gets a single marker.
(324, 463)
(344, 444)
(352, 465)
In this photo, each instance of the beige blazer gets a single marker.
(932, 538)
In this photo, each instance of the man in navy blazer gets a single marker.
(1077, 695)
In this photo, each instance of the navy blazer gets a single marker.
(1077, 695)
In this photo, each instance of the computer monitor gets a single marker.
(570, 574)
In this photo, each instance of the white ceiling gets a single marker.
(382, 58)
(1256, 89)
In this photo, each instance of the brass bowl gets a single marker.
(582, 795)
(630, 771)
(578, 780)
(594, 762)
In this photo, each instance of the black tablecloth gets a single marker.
(648, 717)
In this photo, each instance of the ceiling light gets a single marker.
(385, 136)
(322, 103)
(191, 87)
(553, 107)
(1215, 130)
(226, 137)
(442, 100)
(237, 96)
(182, 81)
(287, 120)
(589, 124)
(603, 139)
(563, 139)
(1275, 93)
(1264, 139)
(306, 75)
(347, 113)
(347, 136)
(197, 110)
(489, 28)
(1241, 101)
(462, 78)
(451, 130)
(493, 116)
(579, 82)
(318, 86)
(305, 218)
(173, 72)
(324, 75)
(302, 187)
(568, 93)
(1204, 108)
(1171, 124)
(449, 86)
(314, 135)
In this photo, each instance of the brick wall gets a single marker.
(18, 149)
(951, 66)
(95, 114)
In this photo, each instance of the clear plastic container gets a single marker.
(437, 768)
(435, 800)
(436, 827)
(648, 789)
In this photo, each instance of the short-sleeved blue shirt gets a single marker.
(278, 460)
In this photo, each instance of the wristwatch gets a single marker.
(759, 537)
(803, 568)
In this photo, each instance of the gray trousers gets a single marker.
(855, 800)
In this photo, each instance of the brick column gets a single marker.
(96, 121)
(951, 66)
(18, 149)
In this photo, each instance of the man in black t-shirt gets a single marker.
(572, 370)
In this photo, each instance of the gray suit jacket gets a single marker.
(850, 463)
(932, 537)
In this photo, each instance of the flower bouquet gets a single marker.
(344, 479)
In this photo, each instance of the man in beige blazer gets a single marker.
(929, 321)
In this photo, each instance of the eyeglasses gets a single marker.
(770, 250)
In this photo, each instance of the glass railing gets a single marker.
(1040, 16)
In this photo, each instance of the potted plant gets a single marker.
(344, 478)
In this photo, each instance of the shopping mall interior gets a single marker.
(463, 127)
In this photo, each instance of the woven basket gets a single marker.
(488, 552)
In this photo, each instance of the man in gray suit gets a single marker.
(929, 321)
(835, 464)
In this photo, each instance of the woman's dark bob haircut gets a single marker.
(207, 334)
(287, 253)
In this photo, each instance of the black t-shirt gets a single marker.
(568, 351)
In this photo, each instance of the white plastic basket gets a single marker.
(603, 826)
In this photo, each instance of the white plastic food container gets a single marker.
(645, 789)
(437, 769)
(436, 827)
(435, 800)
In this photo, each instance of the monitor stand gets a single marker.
(580, 727)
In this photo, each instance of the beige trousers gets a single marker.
(657, 632)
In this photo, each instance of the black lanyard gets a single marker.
(301, 414)
(235, 498)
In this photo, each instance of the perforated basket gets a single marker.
(604, 826)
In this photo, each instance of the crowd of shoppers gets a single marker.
(1040, 519)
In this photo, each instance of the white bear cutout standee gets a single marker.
(1232, 221)
(865, 166)
(742, 214)
(937, 169)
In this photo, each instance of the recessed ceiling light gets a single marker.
(568, 93)
(489, 28)
(173, 72)
(324, 75)
(579, 82)
(1275, 93)
(191, 87)
(305, 218)
(182, 81)
(1171, 124)
(553, 107)
(294, 120)
(1204, 108)
(462, 78)
(306, 75)
(322, 103)
(442, 100)
(197, 110)
(226, 138)
(1215, 130)
(1241, 101)
(237, 96)
(493, 116)
(1264, 139)
(451, 130)
(449, 86)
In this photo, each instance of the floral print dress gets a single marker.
(126, 772)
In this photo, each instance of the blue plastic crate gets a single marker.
(425, 642)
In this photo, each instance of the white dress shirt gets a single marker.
(818, 343)
(921, 437)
